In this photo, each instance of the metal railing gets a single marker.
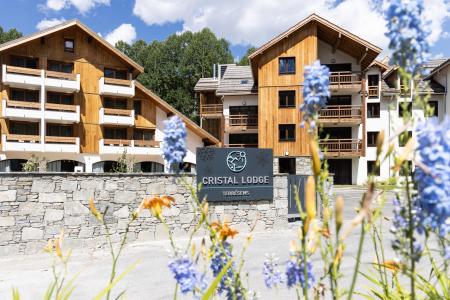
(341, 113)
(341, 147)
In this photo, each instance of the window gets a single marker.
(286, 132)
(116, 133)
(250, 110)
(373, 80)
(143, 135)
(340, 100)
(137, 105)
(286, 65)
(150, 167)
(339, 67)
(69, 45)
(114, 73)
(373, 110)
(402, 108)
(403, 138)
(24, 95)
(286, 165)
(59, 130)
(24, 62)
(26, 128)
(435, 108)
(59, 98)
(372, 138)
(372, 168)
(59, 66)
(244, 140)
(115, 103)
(286, 99)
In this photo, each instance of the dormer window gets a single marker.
(69, 45)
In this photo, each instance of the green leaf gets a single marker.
(212, 288)
(15, 294)
(115, 281)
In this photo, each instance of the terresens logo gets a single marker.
(236, 161)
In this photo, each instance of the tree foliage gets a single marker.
(173, 66)
(6, 36)
(244, 59)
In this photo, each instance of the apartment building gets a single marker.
(72, 98)
(366, 97)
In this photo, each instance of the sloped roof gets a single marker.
(168, 108)
(328, 32)
(206, 84)
(439, 65)
(237, 80)
(64, 25)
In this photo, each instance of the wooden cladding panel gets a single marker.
(303, 46)
(147, 118)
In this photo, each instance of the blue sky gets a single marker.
(242, 23)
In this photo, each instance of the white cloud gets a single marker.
(83, 6)
(257, 21)
(125, 32)
(46, 23)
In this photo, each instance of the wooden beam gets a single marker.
(337, 43)
(363, 56)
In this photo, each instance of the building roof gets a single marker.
(438, 64)
(67, 24)
(379, 64)
(330, 33)
(207, 84)
(170, 109)
(237, 80)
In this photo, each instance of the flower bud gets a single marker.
(310, 198)
(380, 142)
(315, 156)
(339, 208)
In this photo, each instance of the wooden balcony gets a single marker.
(116, 142)
(341, 147)
(114, 81)
(133, 147)
(116, 87)
(235, 123)
(341, 114)
(144, 143)
(60, 107)
(118, 112)
(61, 140)
(23, 104)
(373, 92)
(242, 145)
(60, 75)
(23, 138)
(345, 80)
(115, 116)
(23, 71)
(211, 110)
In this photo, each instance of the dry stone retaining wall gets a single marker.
(35, 207)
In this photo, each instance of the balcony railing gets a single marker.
(61, 139)
(34, 143)
(135, 147)
(23, 104)
(115, 116)
(373, 92)
(246, 145)
(345, 80)
(53, 81)
(23, 138)
(116, 87)
(60, 107)
(211, 109)
(341, 147)
(341, 114)
(14, 109)
(241, 122)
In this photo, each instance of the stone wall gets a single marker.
(35, 207)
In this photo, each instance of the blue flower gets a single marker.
(174, 143)
(407, 32)
(186, 275)
(272, 276)
(315, 91)
(433, 174)
(295, 273)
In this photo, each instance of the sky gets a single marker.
(243, 23)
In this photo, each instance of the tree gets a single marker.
(244, 59)
(6, 36)
(173, 66)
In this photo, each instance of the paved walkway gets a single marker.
(152, 280)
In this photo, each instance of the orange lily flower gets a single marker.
(156, 204)
(224, 230)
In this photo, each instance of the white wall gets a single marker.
(326, 56)
(240, 100)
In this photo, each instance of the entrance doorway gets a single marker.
(341, 170)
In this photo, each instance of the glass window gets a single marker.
(286, 99)
(150, 167)
(59, 130)
(137, 107)
(114, 73)
(59, 66)
(115, 103)
(143, 134)
(59, 98)
(373, 110)
(245, 139)
(286, 65)
(26, 128)
(286, 132)
(24, 95)
(116, 133)
(372, 138)
(24, 62)
(372, 168)
(402, 108)
(69, 45)
(251, 110)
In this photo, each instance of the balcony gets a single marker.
(22, 77)
(21, 142)
(347, 81)
(373, 92)
(114, 116)
(62, 113)
(239, 123)
(21, 110)
(116, 87)
(62, 82)
(62, 144)
(134, 147)
(211, 110)
(341, 147)
(247, 145)
(341, 114)
(34, 78)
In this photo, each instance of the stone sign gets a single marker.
(230, 174)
